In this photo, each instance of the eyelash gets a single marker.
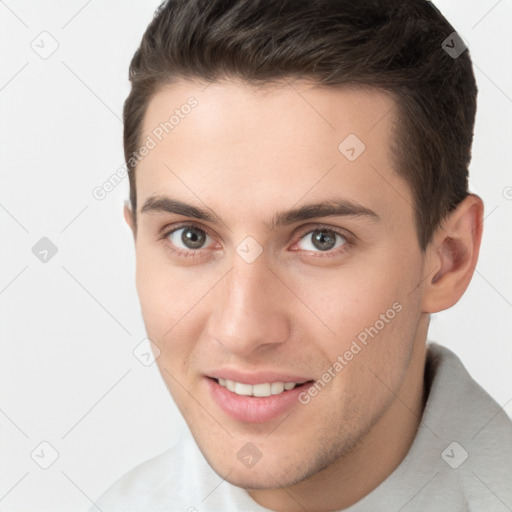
(191, 253)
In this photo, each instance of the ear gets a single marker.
(453, 254)
(128, 217)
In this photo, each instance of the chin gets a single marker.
(263, 478)
(269, 473)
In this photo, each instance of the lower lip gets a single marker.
(253, 409)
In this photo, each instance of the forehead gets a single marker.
(267, 145)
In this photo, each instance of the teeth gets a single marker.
(243, 389)
(260, 390)
(276, 388)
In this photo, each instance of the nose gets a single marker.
(250, 312)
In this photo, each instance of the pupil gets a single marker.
(322, 241)
(193, 238)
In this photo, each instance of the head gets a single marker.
(301, 196)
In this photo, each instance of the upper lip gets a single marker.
(260, 377)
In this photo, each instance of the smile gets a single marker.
(255, 403)
(260, 390)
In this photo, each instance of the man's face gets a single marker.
(262, 299)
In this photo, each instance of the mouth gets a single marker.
(258, 390)
(255, 403)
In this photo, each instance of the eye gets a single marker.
(323, 239)
(188, 238)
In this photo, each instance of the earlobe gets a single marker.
(453, 254)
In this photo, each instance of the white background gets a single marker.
(68, 327)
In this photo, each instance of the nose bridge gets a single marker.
(249, 313)
(248, 286)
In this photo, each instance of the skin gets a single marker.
(247, 153)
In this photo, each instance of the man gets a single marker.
(299, 206)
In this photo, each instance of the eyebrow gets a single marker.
(327, 208)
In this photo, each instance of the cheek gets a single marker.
(372, 310)
(174, 305)
(167, 298)
(165, 294)
(164, 290)
(349, 299)
(155, 294)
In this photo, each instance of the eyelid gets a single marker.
(304, 230)
(301, 233)
(336, 252)
(167, 230)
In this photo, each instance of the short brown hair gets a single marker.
(394, 45)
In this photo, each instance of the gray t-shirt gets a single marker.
(460, 460)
